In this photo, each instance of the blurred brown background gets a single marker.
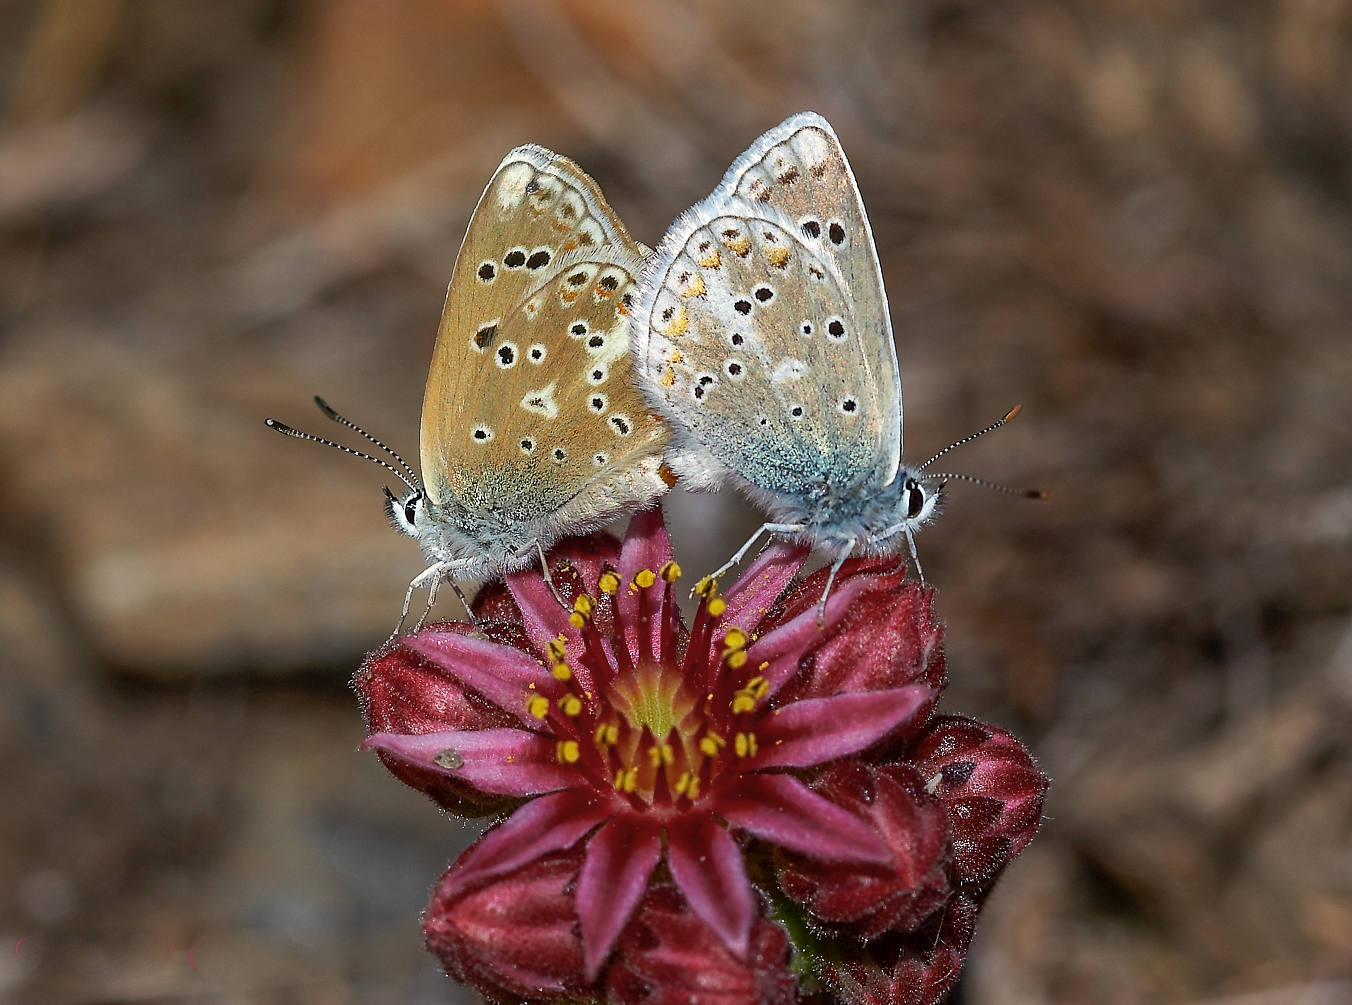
(1134, 217)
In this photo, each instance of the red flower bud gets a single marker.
(916, 969)
(913, 825)
(992, 789)
(515, 938)
(667, 956)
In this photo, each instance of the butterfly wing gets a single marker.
(763, 327)
(531, 411)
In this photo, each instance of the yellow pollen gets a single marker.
(670, 572)
(735, 639)
(737, 660)
(742, 703)
(697, 288)
(568, 752)
(758, 686)
(717, 606)
(668, 377)
(683, 783)
(693, 791)
(706, 587)
(626, 780)
(538, 706)
(609, 584)
(558, 648)
(582, 610)
(710, 261)
(605, 736)
(764, 666)
(711, 744)
(745, 744)
(645, 578)
(570, 705)
(562, 671)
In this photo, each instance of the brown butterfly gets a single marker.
(532, 427)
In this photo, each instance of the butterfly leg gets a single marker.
(831, 580)
(433, 572)
(549, 580)
(910, 540)
(765, 528)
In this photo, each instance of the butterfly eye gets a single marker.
(915, 500)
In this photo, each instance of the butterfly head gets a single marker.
(920, 498)
(407, 513)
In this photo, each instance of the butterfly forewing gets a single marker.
(531, 405)
(765, 325)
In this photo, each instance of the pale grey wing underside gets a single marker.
(762, 326)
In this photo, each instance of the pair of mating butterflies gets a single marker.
(573, 373)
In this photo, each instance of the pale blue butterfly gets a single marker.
(762, 334)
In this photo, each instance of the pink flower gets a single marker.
(642, 770)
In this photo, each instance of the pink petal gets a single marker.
(821, 729)
(543, 825)
(646, 546)
(783, 647)
(500, 673)
(707, 865)
(541, 614)
(783, 811)
(764, 581)
(508, 762)
(620, 858)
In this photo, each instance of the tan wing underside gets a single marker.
(515, 368)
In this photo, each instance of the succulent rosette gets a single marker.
(760, 807)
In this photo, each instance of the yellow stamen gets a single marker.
(568, 752)
(742, 703)
(609, 584)
(711, 744)
(670, 572)
(582, 611)
(738, 659)
(645, 578)
(538, 706)
(693, 791)
(717, 606)
(734, 639)
(682, 783)
(745, 744)
(558, 648)
(562, 671)
(570, 705)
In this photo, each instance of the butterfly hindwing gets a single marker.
(763, 322)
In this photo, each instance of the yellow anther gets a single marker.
(538, 706)
(570, 705)
(711, 744)
(609, 584)
(692, 792)
(562, 671)
(735, 639)
(742, 703)
(558, 648)
(668, 755)
(645, 578)
(619, 779)
(745, 744)
(758, 686)
(630, 782)
(670, 572)
(682, 783)
(568, 752)
(584, 604)
(737, 660)
(717, 606)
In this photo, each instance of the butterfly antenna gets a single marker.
(328, 410)
(286, 430)
(968, 439)
(1024, 493)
